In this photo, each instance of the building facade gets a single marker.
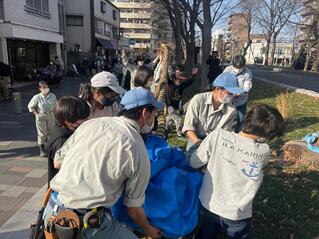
(145, 23)
(237, 35)
(92, 30)
(218, 42)
(256, 51)
(31, 34)
(310, 27)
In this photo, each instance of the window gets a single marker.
(115, 32)
(38, 7)
(61, 18)
(74, 20)
(1, 10)
(99, 25)
(21, 51)
(107, 29)
(114, 15)
(103, 7)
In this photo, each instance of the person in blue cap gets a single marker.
(105, 158)
(211, 110)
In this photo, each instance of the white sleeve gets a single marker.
(33, 104)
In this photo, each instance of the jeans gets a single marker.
(212, 225)
(241, 111)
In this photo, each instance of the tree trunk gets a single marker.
(315, 62)
(273, 51)
(307, 59)
(267, 52)
(178, 34)
(297, 152)
(206, 43)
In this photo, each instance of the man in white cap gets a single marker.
(104, 94)
(103, 159)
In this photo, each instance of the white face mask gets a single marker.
(261, 140)
(226, 99)
(45, 90)
(147, 128)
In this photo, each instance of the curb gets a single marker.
(289, 87)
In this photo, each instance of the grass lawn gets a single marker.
(287, 204)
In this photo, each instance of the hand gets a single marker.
(154, 232)
(194, 71)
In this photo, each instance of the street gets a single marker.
(298, 79)
(22, 172)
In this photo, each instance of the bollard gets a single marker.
(17, 102)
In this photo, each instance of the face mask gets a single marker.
(147, 128)
(140, 63)
(261, 140)
(227, 99)
(107, 101)
(45, 90)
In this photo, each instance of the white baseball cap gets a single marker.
(106, 79)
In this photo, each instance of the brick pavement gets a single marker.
(22, 172)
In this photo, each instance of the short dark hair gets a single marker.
(135, 113)
(143, 73)
(43, 84)
(264, 121)
(179, 67)
(239, 61)
(86, 91)
(71, 109)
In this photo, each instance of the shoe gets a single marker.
(42, 150)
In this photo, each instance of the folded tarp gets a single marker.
(311, 139)
(171, 198)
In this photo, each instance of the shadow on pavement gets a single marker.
(15, 234)
(16, 152)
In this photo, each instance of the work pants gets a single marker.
(44, 124)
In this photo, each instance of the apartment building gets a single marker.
(92, 30)
(237, 35)
(31, 33)
(144, 22)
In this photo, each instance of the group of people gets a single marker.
(96, 148)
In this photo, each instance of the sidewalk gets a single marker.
(22, 172)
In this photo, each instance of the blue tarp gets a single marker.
(311, 139)
(171, 198)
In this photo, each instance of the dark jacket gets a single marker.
(5, 69)
(214, 68)
(175, 93)
(59, 136)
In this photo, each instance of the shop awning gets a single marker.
(106, 44)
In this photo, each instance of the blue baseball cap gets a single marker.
(139, 97)
(229, 82)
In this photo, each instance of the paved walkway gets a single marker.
(22, 172)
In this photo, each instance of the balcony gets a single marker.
(130, 5)
(135, 26)
(134, 15)
(138, 35)
(141, 45)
